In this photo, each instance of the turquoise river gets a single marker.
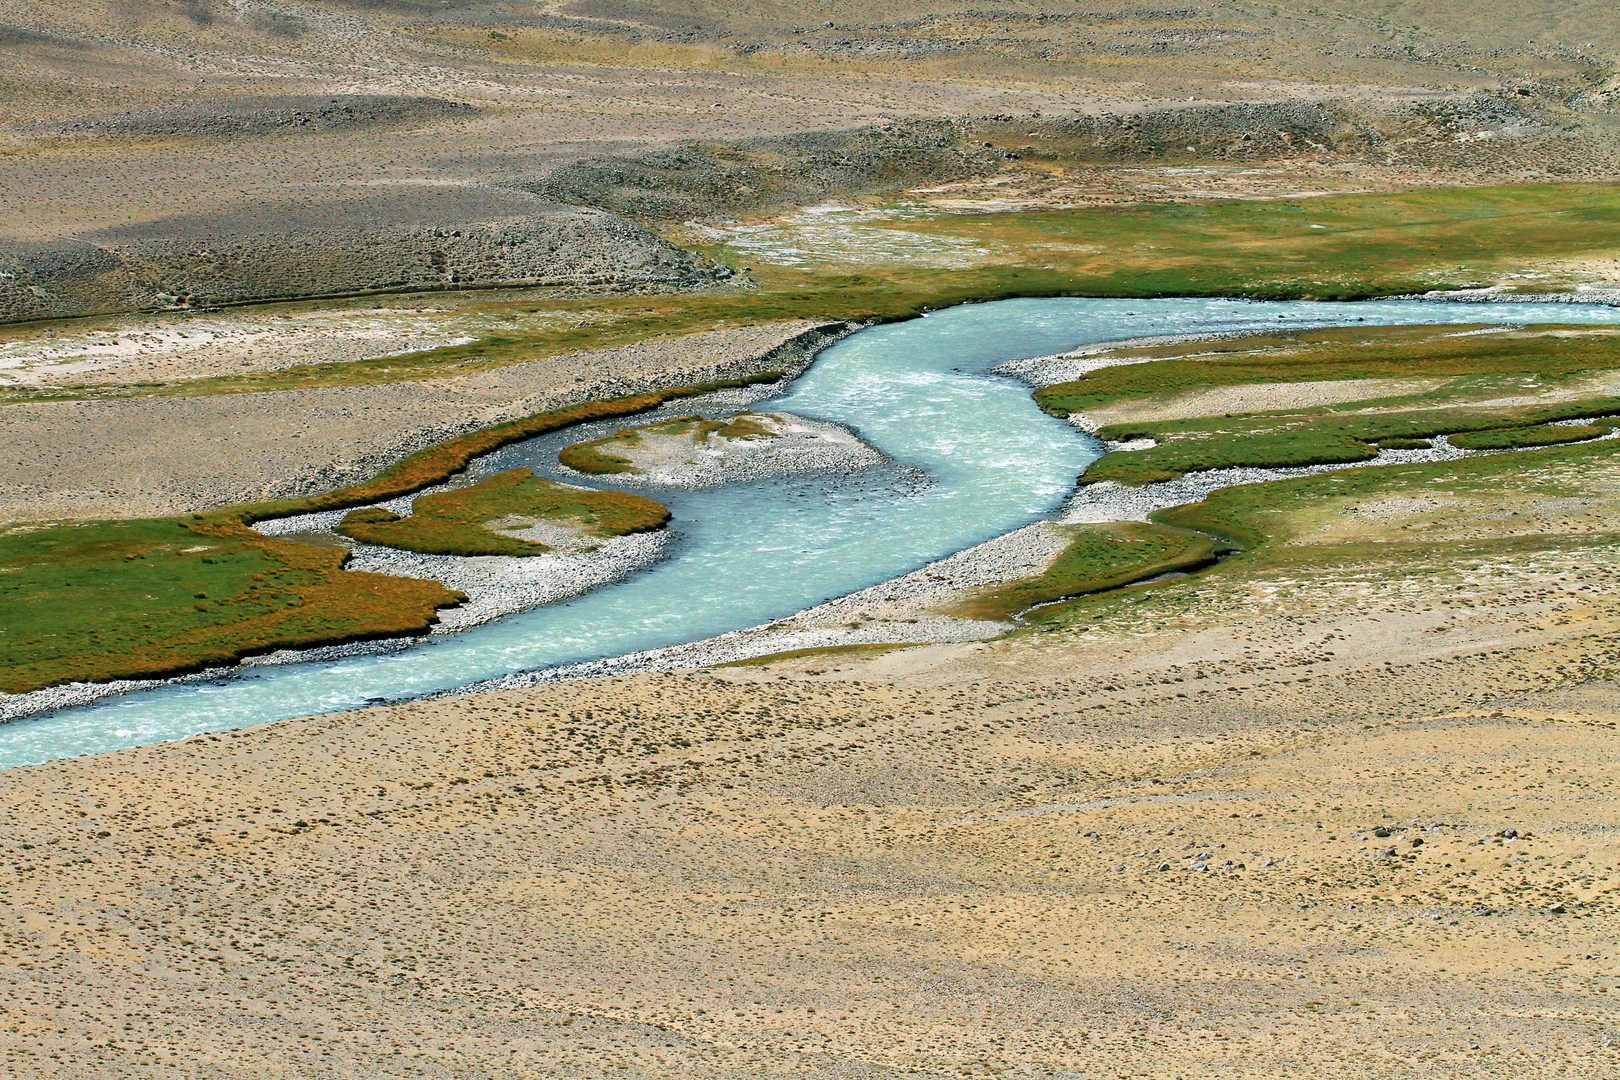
(972, 458)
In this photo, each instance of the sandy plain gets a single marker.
(1140, 839)
(1346, 803)
(1146, 844)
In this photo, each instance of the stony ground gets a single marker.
(1322, 809)
(158, 154)
(689, 455)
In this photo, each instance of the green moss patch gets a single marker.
(1405, 444)
(102, 600)
(458, 522)
(596, 457)
(1100, 557)
(1514, 438)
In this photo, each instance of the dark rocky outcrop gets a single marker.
(1243, 130)
(1277, 130)
(467, 239)
(233, 117)
(698, 180)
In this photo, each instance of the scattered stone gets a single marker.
(691, 452)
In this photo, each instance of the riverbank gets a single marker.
(1219, 786)
(1101, 503)
(1362, 771)
(170, 455)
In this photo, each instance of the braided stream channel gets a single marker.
(970, 457)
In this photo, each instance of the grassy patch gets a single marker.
(1480, 370)
(1405, 444)
(596, 457)
(1514, 438)
(1548, 352)
(1337, 246)
(1301, 439)
(438, 463)
(1099, 558)
(94, 601)
(102, 600)
(1422, 529)
(1253, 515)
(458, 522)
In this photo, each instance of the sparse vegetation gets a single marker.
(1292, 440)
(93, 601)
(438, 463)
(1473, 360)
(459, 522)
(1367, 245)
(1101, 557)
(1254, 514)
(1476, 369)
(830, 651)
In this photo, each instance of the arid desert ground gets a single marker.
(1342, 803)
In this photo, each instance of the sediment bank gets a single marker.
(153, 457)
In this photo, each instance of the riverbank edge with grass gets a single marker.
(1459, 359)
(228, 527)
(433, 464)
(1228, 538)
(1100, 558)
(423, 468)
(185, 597)
(438, 463)
(459, 521)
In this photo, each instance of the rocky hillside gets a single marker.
(472, 239)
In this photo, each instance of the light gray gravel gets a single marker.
(498, 585)
(798, 445)
(1039, 371)
(903, 610)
